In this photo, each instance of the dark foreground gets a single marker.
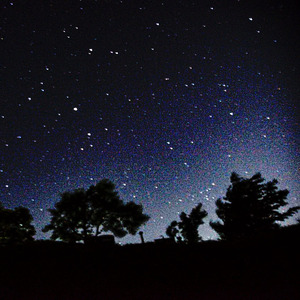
(267, 268)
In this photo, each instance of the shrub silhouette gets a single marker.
(81, 214)
(187, 229)
(249, 207)
(15, 225)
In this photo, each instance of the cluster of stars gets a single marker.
(166, 100)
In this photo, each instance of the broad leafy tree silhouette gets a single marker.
(15, 225)
(250, 207)
(186, 230)
(81, 214)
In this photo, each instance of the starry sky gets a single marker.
(164, 98)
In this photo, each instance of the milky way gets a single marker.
(164, 98)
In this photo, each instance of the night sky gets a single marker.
(164, 98)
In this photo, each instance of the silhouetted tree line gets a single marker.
(249, 207)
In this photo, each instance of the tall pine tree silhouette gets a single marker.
(250, 206)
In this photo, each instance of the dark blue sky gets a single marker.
(164, 98)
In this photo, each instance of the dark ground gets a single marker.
(264, 268)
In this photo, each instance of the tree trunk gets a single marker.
(97, 230)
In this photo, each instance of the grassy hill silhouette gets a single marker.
(265, 267)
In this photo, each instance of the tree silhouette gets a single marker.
(187, 229)
(81, 214)
(15, 225)
(250, 206)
